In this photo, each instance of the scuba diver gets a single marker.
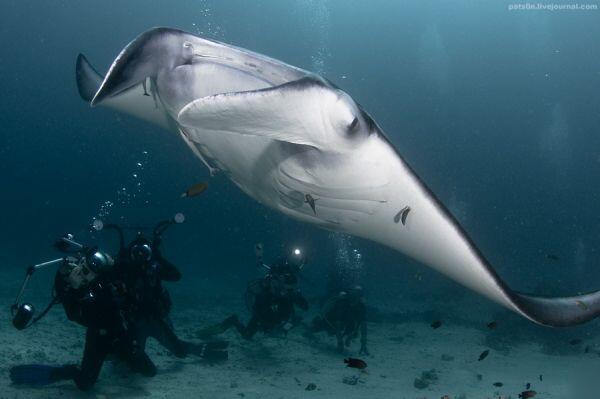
(271, 299)
(120, 303)
(86, 286)
(143, 268)
(344, 316)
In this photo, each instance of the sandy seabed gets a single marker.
(297, 367)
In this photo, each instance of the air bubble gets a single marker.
(98, 225)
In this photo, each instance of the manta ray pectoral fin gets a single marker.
(88, 79)
(131, 101)
(303, 112)
(434, 237)
(559, 312)
(145, 56)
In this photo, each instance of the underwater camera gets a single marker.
(95, 261)
(22, 313)
(22, 317)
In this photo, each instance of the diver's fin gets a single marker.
(295, 112)
(131, 101)
(34, 374)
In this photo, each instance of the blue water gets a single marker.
(498, 112)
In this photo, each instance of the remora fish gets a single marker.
(311, 202)
(278, 131)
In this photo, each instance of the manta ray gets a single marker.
(295, 142)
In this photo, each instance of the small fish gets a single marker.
(575, 341)
(491, 325)
(308, 199)
(484, 354)
(552, 257)
(527, 394)
(541, 377)
(401, 216)
(498, 384)
(436, 324)
(582, 305)
(587, 349)
(194, 190)
(527, 386)
(356, 363)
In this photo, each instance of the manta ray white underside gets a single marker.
(294, 142)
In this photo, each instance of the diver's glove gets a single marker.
(363, 349)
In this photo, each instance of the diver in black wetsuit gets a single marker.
(272, 301)
(93, 297)
(121, 305)
(344, 316)
(143, 268)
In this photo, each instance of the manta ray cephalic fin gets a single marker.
(296, 112)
